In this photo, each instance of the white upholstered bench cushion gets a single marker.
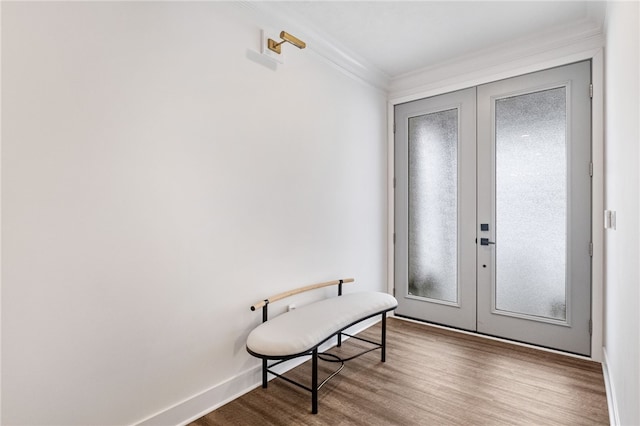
(302, 329)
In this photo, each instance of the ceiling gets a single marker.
(399, 37)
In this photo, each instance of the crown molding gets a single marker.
(270, 15)
(566, 42)
(542, 49)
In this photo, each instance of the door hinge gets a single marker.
(591, 90)
(394, 292)
(590, 323)
(394, 238)
(591, 169)
(394, 128)
(394, 183)
(590, 249)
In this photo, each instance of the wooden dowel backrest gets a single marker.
(299, 290)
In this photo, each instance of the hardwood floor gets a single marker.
(432, 377)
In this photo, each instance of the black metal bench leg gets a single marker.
(314, 382)
(264, 373)
(384, 337)
(339, 339)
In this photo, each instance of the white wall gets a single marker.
(622, 155)
(158, 178)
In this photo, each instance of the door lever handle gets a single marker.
(485, 242)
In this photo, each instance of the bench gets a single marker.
(301, 331)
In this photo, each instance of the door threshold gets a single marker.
(494, 338)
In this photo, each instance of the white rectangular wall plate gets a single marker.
(610, 219)
(264, 36)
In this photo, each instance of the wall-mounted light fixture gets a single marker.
(286, 38)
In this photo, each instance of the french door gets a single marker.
(493, 209)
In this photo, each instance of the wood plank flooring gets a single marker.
(432, 377)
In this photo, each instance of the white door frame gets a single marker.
(597, 145)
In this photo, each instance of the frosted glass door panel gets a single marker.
(492, 197)
(531, 204)
(433, 148)
(534, 204)
(435, 209)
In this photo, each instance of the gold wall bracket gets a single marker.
(286, 38)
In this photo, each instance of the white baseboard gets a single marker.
(209, 400)
(198, 405)
(614, 418)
